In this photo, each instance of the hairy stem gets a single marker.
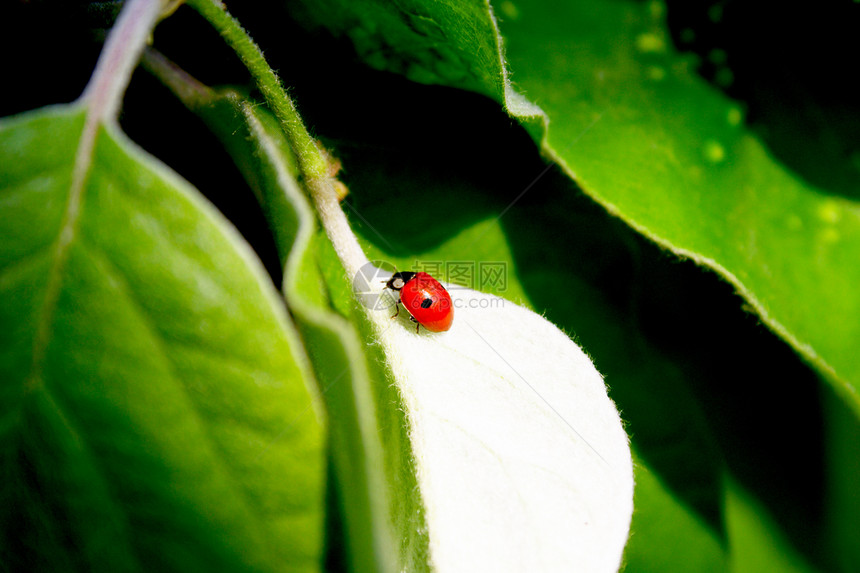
(311, 161)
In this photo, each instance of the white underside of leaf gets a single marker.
(521, 457)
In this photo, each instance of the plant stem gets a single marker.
(127, 39)
(187, 88)
(311, 161)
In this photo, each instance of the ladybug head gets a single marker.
(397, 280)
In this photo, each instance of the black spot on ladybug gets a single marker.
(426, 303)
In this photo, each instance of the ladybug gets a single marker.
(426, 300)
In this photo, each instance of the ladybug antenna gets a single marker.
(392, 276)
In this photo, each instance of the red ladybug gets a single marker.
(426, 300)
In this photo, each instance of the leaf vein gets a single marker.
(68, 230)
(148, 322)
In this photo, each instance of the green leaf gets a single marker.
(451, 43)
(666, 535)
(754, 538)
(842, 499)
(260, 150)
(157, 411)
(671, 156)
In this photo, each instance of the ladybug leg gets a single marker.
(397, 313)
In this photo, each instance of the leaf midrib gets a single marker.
(67, 233)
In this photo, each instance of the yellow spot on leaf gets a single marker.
(714, 151)
(828, 212)
(829, 235)
(509, 10)
(650, 43)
